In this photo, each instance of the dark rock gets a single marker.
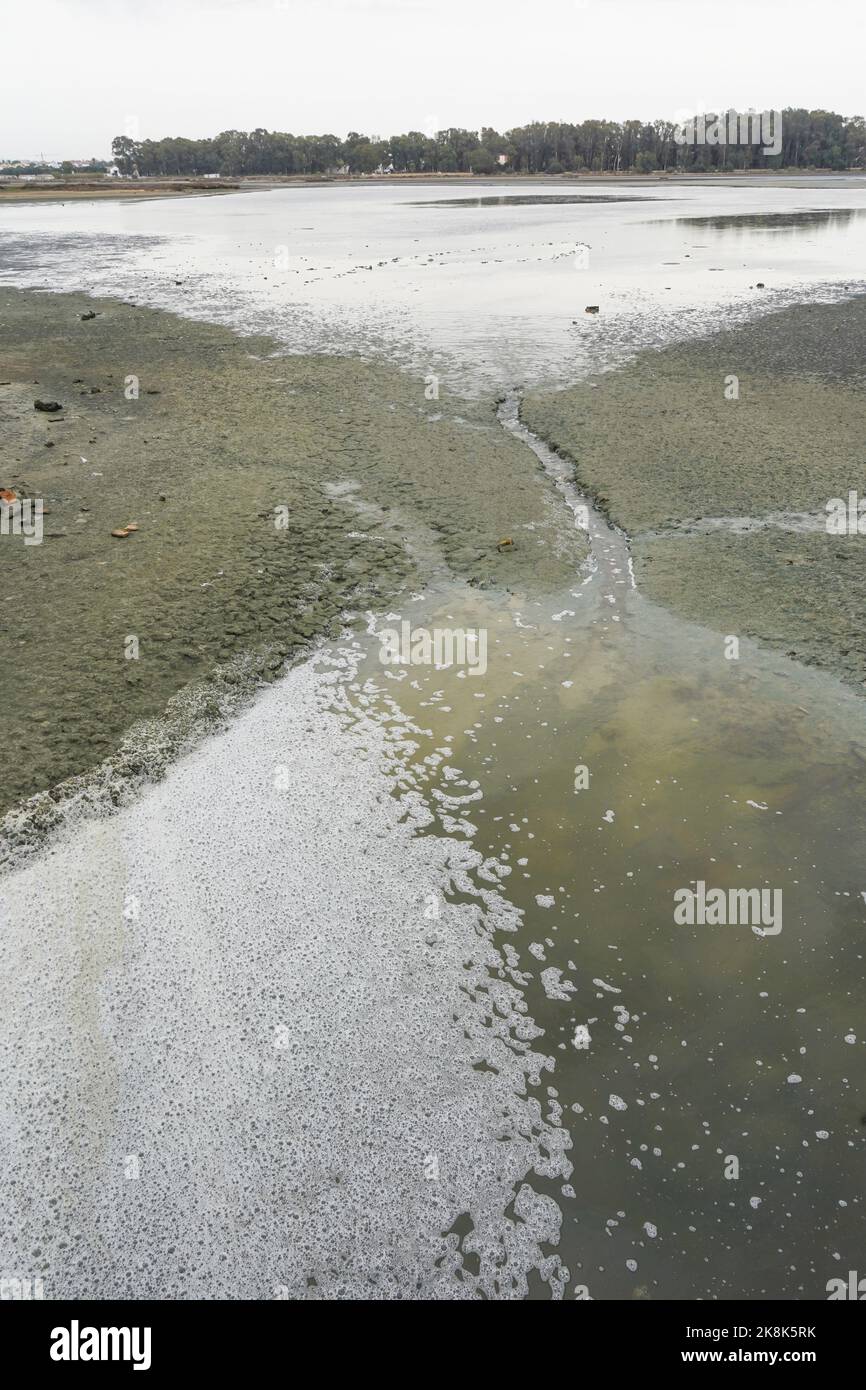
(48, 406)
(91, 314)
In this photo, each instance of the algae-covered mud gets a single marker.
(720, 458)
(509, 944)
(268, 491)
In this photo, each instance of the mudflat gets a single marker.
(77, 190)
(270, 493)
(719, 457)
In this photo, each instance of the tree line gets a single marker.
(37, 166)
(810, 140)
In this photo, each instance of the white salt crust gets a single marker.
(231, 989)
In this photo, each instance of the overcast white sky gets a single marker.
(77, 72)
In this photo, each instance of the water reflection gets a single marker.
(485, 302)
(706, 1043)
(805, 220)
(529, 199)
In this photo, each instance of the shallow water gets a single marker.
(609, 756)
(694, 774)
(708, 1042)
(487, 296)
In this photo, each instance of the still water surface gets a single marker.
(713, 1050)
(489, 292)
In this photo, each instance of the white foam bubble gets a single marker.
(275, 1076)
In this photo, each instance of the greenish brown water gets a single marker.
(743, 773)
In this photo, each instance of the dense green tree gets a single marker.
(810, 139)
(483, 161)
(124, 152)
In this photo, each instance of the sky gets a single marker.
(78, 72)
